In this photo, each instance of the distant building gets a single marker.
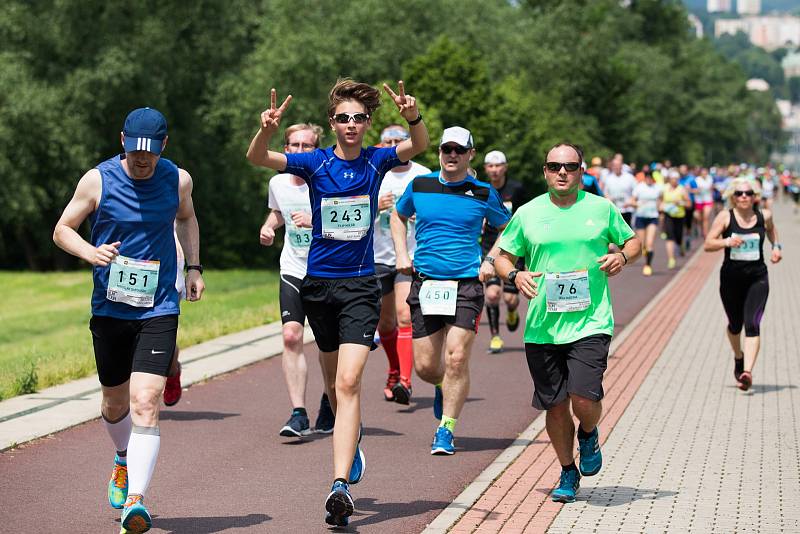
(768, 32)
(748, 7)
(696, 25)
(791, 64)
(718, 6)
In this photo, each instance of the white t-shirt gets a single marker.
(704, 186)
(619, 189)
(647, 200)
(396, 183)
(767, 188)
(287, 198)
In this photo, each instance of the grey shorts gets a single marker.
(388, 276)
(572, 368)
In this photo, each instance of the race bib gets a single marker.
(299, 239)
(567, 292)
(438, 297)
(345, 218)
(747, 251)
(133, 282)
(671, 209)
(384, 218)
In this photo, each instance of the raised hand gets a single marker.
(407, 104)
(271, 118)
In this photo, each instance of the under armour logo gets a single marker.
(349, 174)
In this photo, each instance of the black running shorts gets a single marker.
(290, 301)
(342, 310)
(570, 369)
(125, 346)
(469, 304)
(388, 276)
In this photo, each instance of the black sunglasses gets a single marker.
(458, 149)
(554, 166)
(344, 118)
(749, 193)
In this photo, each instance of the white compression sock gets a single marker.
(142, 455)
(120, 431)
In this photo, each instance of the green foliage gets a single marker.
(520, 75)
(27, 381)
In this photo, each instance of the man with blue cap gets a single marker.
(137, 202)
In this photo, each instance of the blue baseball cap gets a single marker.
(145, 129)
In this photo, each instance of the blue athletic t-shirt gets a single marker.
(140, 214)
(329, 176)
(449, 221)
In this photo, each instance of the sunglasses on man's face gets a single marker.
(749, 193)
(302, 146)
(344, 118)
(458, 149)
(554, 166)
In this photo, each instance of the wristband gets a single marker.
(490, 259)
(777, 246)
(512, 275)
(624, 257)
(416, 121)
(727, 242)
(198, 268)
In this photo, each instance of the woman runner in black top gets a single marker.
(744, 283)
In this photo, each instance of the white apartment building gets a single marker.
(748, 7)
(768, 31)
(718, 6)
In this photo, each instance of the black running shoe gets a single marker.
(325, 418)
(297, 426)
(339, 505)
(402, 393)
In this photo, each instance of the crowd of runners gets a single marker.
(378, 248)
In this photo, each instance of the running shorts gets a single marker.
(290, 300)
(125, 346)
(673, 227)
(469, 304)
(568, 369)
(388, 276)
(643, 222)
(342, 310)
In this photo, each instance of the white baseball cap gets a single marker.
(495, 157)
(457, 135)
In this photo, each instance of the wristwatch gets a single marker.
(512, 275)
(198, 268)
(489, 259)
(416, 121)
(777, 246)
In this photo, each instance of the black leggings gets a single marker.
(744, 301)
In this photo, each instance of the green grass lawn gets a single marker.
(44, 321)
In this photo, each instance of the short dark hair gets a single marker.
(576, 148)
(347, 89)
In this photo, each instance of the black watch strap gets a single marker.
(512, 275)
(416, 121)
(198, 268)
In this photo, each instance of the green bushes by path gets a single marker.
(45, 340)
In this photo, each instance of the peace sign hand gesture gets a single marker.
(407, 104)
(271, 118)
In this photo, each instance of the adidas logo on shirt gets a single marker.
(469, 193)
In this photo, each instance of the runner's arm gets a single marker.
(188, 231)
(399, 226)
(487, 269)
(407, 106)
(714, 241)
(772, 235)
(505, 262)
(267, 234)
(258, 153)
(83, 203)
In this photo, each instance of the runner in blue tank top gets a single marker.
(134, 200)
(341, 296)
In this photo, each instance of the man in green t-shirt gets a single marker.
(564, 236)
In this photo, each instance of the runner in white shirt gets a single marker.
(618, 187)
(647, 199)
(394, 326)
(290, 207)
(704, 200)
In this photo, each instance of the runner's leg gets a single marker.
(387, 330)
(754, 306)
(293, 362)
(455, 386)
(350, 367)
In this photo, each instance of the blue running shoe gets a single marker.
(339, 505)
(359, 465)
(438, 403)
(443, 442)
(591, 457)
(567, 487)
(135, 517)
(118, 485)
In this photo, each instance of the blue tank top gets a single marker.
(140, 214)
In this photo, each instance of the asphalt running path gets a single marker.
(223, 468)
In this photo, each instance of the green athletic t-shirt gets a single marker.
(561, 240)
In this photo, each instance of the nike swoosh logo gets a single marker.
(157, 351)
(367, 335)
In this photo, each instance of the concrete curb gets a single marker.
(467, 498)
(28, 417)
